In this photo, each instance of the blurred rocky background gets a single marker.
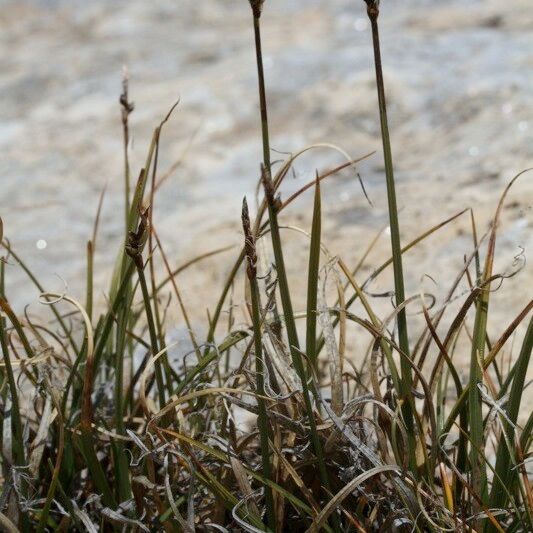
(459, 78)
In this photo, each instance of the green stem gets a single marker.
(279, 260)
(407, 380)
(153, 334)
(262, 92)
(123, 481)
(16, 423)
(262, 421)
(312, 281)
(508, 472)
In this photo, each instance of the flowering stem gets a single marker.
(268, 185)
(407, 408)
(256, 8)
(262, 419)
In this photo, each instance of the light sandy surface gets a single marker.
(459, 78)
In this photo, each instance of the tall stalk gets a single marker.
(136, 241)
(407, 381)
(126, 109)
(257, 8)
(264, 431)
(290, 324)
(121, 342)
(17, 446)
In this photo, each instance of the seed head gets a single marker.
(257, 7)
(249, 242)
(137, 239)
(270, 191)
(372, 8)
(126, 105)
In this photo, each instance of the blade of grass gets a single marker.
(312, 280)
(16, 423)
(298, 504)
(87, 439)
(486, 363)
(40, 288)
(91, 246)
(259, 227)
(477, 361)
(178, 296)
(57, 467)
(504, 456)
(387, 263)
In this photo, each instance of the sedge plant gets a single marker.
(106, 425)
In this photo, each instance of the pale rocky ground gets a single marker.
(459, 76)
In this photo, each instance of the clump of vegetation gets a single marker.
(102, 429)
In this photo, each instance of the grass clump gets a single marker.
(102, 429)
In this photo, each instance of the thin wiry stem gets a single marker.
(278, 251)
(256, 9)
(399, 290)
(126, 109)
(264, 431)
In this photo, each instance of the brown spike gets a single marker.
(249, 242)
(372, 8)
(270, 191)
(257, 7)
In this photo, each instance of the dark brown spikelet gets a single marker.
(372, 8)
(249, 242)
(126, 105)
(136, 239)
(270, 191)
(257, 7)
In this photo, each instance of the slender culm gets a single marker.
(272, 204)
(126, 108)
(257, 9)
(373, 14)
(263, 424)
